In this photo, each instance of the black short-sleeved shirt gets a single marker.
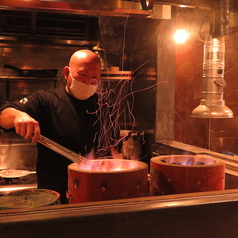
(70, 122)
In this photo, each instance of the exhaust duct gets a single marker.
(212, 104)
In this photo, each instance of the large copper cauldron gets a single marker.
(108, 179)
(175, 174)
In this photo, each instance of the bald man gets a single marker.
(68, 116)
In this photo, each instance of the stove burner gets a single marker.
(9, 184)
(20, 180)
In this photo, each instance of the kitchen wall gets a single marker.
(124, 45)
(130, 44)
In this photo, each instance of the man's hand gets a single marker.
(25, 125)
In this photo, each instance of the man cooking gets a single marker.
(70, 116)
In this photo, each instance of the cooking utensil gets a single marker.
(176, 174)
(28, 198)
(38, 73)
(69, 154)
(14, 173)
(125, 179)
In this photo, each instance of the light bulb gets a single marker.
(180, 36)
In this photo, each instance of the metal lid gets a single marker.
(29, 198)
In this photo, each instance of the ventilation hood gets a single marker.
(67, 22)
(143, 8)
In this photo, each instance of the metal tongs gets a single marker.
(69, 154)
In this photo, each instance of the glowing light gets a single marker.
(181, 36)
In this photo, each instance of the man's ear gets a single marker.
(66, 72)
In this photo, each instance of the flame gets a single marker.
(115, 154)
(108, 164)
(188, 160)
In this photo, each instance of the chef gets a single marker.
(71, 116)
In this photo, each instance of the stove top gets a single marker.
(12, 184)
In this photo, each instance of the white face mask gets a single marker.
(82, 91)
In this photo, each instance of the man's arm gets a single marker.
(25, 125)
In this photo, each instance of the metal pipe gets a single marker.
(212, 104)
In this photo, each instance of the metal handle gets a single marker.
(69, 154)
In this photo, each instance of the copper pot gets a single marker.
(176, 174)
(119, 179)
